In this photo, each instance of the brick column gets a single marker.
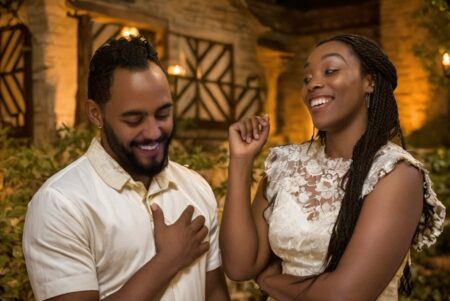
(54, 65)
(273, 64)
(399, 33)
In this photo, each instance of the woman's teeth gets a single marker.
(319, 101)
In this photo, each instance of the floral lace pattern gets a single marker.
(305, 191)
(309, 176)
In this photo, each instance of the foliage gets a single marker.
(211, 161)
(431, 268)
(437, 162)
(431, 272)
(434, 16)
(432, 134)
(24, 168)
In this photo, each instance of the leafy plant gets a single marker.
(431, 268)
(437, 161)
(24, 168)
(434, 16)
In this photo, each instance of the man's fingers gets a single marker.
(197, 223)
(203, 248)
(201, 234)
(158, 215)
(186, 216)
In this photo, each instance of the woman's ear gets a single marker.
(370, 84)
(94, 113)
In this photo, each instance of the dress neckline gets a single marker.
(325, 160)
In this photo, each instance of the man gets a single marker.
(123, 222)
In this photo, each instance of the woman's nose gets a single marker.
(314, 84)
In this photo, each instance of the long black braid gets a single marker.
(383, 125)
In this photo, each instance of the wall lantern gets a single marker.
(176, 70)
(446, 64)
(127, 32)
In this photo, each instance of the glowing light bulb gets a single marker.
(128, 32)
(446, 60)
(176, 70)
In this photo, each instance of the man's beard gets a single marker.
(128, 160)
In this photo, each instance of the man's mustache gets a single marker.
(161, 139)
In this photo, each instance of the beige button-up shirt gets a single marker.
(89, 227)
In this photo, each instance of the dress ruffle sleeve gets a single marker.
(431, 222)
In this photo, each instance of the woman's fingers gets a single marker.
(256, 127)
(251, 127)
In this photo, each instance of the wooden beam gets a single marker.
(84, 56)
(107, 11)
(305, 22)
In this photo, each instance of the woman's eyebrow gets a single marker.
(332, 54)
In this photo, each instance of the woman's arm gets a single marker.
(243, 233)
(380, 241)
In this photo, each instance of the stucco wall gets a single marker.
(419, 100)
(54, 65)
(54, 42)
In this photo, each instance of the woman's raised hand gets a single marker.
(248, 136)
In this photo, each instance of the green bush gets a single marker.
(23, 169)
(437, 161)
(431, 268)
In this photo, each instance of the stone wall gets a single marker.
(399, 33)
(54, 65)
(54, 43)
(54, 39)
(226, 21)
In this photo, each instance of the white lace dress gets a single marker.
(303, 186)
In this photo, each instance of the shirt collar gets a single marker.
(107, 168)
(115, 176)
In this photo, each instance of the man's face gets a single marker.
(138, 120)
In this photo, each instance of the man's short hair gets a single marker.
(132, 53)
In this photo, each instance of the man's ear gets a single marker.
(94, 113)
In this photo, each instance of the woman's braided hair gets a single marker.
(383, 124)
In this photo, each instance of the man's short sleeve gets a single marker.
(213, 260)
(56, 247)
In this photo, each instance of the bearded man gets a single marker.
(123, 222)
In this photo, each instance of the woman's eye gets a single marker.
(306, 80)
(330, 71)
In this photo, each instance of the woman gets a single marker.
(339, 212)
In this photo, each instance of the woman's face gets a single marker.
(334, 88)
